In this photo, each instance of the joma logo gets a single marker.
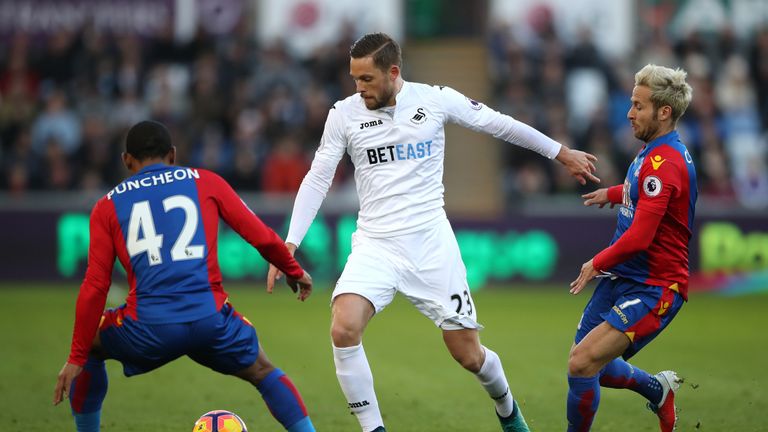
(358, 404)
(371, 124)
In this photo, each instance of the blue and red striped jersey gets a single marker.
(658, 206)
(162, 225)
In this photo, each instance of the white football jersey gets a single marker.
(398, 155)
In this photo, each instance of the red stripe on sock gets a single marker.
(585, 409)
(82, 384)
(618, 382)
(288, 383)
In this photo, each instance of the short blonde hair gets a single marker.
(668, 87)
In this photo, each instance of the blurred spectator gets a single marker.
(18, 77)
(212, 150)
(58, 124)
(21, 165)
(57, 171)
(166, 91)
(18, 93)
(208, 101)
(752, 184)
(758, 60)
(718, 185)
(250, 150)
(55, 65)
(285, 167)
(97, 159)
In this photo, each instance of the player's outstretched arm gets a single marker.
(302, 285)
(598, 197)
(612, 195)
(579, 164)
(64, 382)
(92, 297)
(586, 274)
(274, 273)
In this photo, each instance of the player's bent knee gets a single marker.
(576, 369)
(471, 361)
(581, 365)
(345, 336)
(473, 364)
(256, 372)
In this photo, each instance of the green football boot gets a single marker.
(515, 422)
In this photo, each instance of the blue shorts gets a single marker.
(225, 341)
(638, 310)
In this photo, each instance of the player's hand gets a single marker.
(303, 285)
(599, 197)
(579, 164)
(68, 373)
(274, 274)
(587, 273)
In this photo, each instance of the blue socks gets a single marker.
(583, 400)
(88, 422)
(284, 402)
(87, 394)
(90, 387)
(620, 374)
(584, 393)
(302, 425)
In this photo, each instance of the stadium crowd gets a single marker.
(254, 114)
(580, 96)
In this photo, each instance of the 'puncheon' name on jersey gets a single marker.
(154, 180)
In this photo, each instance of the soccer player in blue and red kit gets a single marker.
(644, 271)
(162, 224)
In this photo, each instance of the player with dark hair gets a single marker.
(162, 224)
(644, 271)
(394, 132)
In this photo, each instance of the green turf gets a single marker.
(717, 343)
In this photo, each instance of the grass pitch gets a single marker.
(717, 343)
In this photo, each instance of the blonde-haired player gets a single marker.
(645, 269)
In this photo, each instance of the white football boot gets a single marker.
(666, 410)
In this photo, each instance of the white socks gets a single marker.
(492, 379)
(356, 382)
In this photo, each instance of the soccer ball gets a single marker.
(219, 421)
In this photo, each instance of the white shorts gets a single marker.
(425, 266)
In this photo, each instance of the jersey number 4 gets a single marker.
(151, 242)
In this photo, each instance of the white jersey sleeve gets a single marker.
(474, 115)
(318, 180)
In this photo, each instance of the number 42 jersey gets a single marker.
(162, 225)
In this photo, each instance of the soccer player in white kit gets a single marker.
(393, 131)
